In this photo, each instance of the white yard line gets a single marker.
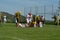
(16, 38)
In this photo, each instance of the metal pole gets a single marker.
(59, 8)
(24, 11)
(52, 10)
(30, 9)
(36, 10)
(44, 10)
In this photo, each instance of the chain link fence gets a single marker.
(47, 11)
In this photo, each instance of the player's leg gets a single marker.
(40, 24)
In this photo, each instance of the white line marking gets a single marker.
(11, 37)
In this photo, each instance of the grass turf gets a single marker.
(9, 31)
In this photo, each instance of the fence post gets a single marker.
(44, 10)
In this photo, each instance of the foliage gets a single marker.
(11, 18)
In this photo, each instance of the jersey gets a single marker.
(37, 18)
(34, 22)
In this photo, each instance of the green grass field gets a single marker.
(9, 31)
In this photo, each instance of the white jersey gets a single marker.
(43, 18)
(58, 18)
(4, 18)
(40, 24)
(29, 18)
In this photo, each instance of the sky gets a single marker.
(12, 6)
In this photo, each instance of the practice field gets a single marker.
(9, 31)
